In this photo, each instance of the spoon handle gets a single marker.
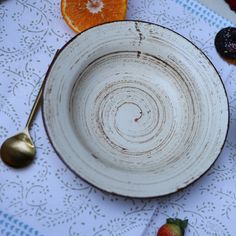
(35, 107)
(38, 98)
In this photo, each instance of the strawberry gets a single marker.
(173, 227)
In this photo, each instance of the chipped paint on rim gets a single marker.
(130, 106)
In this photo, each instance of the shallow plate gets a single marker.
(135, 109)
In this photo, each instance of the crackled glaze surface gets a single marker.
(131, 107)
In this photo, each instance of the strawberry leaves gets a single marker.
(181, 223)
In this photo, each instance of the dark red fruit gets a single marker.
(232, 4)
(173, 227)
(225, 43)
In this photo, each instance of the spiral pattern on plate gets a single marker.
(135, 109)
(131, 117)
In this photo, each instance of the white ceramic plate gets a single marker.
(135, 109)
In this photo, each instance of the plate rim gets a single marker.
(58, 52)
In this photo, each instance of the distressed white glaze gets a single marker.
(135, 109)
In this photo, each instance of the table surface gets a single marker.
(220, 7)
(47, 198)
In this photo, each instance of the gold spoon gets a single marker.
(19, 151)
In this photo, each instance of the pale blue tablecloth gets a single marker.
(47, 198)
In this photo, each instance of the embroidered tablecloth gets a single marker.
(47, 198)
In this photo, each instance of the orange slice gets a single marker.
(83, 14)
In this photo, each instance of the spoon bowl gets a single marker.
(18, 151)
